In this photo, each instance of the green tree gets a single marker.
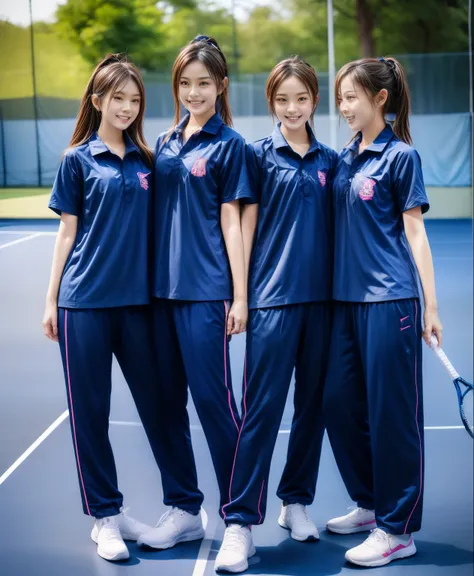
(132, 26)
(187, 23)
(263, 40)
(365, 28)
(404, 27)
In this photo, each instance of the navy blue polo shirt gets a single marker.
(107, 266)
(293, 249)
(191, 182)
(373, 261)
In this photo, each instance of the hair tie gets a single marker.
(389, 63)
(207, 40)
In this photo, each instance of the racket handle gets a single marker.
(443, 358)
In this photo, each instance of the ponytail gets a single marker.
(376, 74)
(400, 101)
(223, 107)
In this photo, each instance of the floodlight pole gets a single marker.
(471, 95)
(35, 97)
(332, 77)
(235, 49)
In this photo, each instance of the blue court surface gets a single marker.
(42, 529)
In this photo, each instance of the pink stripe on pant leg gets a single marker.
(418, 429)
(72, 415)
(238, 438)
(259, 501)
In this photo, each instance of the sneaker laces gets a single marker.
(234, 536)
(168, 515)
(377, 535)
(356, 509)
(123, 512)
(110, 528)
(300, 512)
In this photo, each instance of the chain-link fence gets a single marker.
(42, 77)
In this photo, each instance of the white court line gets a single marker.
(140, 425)
(35, 235)
(18, 232)
(444, 428)
(33, 447)
(283, 431)
(205, 548)
(206, 544)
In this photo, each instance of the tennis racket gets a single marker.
(462, 387)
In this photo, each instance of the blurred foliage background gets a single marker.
(152, 33)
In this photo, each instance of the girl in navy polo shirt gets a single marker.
(373, 395)
(289, 320)
(98, 291)
(199, 289)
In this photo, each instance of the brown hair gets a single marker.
(375, 74)
(109, 75)
(207, 51)
(294, 66)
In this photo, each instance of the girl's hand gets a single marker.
(50, 321)
(432, 325)
(237, 319)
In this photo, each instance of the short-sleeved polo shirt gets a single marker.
(191, 182)
(107, 267)
(293, 248)
(373, 261)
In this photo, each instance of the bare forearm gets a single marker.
(424, 262)
(248, 224)
(420, 247)
(231, 230)
(64, 242)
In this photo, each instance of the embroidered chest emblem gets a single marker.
(366, 191)
(199, 167)
(322, 178)
(143, 180)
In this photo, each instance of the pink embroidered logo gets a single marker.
(143, 180)
(322, 178)
(199, 167)
(367, 189)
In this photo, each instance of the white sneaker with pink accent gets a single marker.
(358, 520)
(381, 548)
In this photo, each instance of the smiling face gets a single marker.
(359, 110)
(121, 107)
(293, 104)
(198, 91)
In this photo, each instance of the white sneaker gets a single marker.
(110, 544)
(295, 518)
(174, 526)
(130, 528)
(381, 548)
(358, 520)
(237, 547)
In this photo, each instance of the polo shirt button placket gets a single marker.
(127, 190)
